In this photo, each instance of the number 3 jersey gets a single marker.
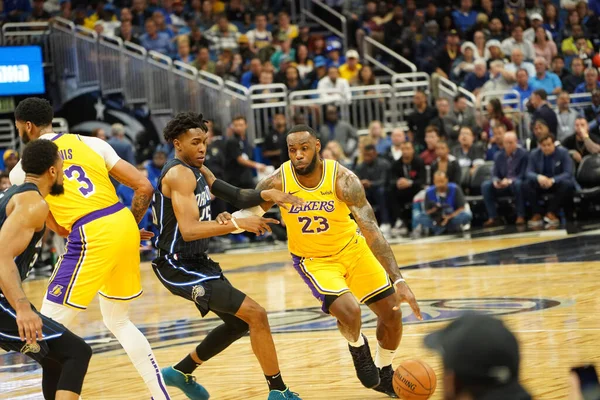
(87, 184)
(322, 227)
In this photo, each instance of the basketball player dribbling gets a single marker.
(339, 257)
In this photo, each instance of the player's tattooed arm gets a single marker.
(350, 191)
(272, 181)
(128, 175)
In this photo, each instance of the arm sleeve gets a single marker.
(104, 149)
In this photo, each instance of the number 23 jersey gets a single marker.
(322, 227)
(86, 162)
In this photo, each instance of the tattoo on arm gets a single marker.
(139, 206)
(272, 181)
(351, 192)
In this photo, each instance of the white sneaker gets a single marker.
(385, 228)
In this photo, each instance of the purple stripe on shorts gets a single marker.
(58, 287)
(56, 137)
(300, 269)
(94, 215)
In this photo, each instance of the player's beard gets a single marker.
(309, 168)
(25, 137)
(57, 189)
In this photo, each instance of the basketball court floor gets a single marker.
(543, 284)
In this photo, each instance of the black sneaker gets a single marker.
(366, 370)
(386, 374)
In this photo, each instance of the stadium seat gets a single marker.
(588, 176)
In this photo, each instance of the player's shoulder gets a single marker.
(30, 202)
(179, 176)
(347, 186)
(272, 181)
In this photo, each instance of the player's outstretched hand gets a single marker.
(145, 235)
(406, 295)
(280, 198)
(257, 225)
(223, 218)
(30, 325)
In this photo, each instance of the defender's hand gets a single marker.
(30, 325)
(257, 225)
(223, 218)
(145, 235)
(405, 295)
(280, 198)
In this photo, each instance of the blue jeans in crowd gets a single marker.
(490, 193)
(453, 225)
(376, 195)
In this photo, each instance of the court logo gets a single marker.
(198, 291)
(56, 290)
(30, 348)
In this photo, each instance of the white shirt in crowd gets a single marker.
(341, 85)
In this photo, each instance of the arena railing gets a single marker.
(238, 102)
(111, 64)
(135, 90)
(158, 78)
(310, 104)
(372, 103)
(266, 101)
(307, 9)
(28, 34)
(8, 135)
(370, 45)
(404, 87)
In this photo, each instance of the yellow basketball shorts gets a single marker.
(355, 269)
(102, 256)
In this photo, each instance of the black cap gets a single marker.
(478, 348)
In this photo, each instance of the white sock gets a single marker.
(359, 342)
(383, 357)
(116, 319)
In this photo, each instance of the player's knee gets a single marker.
(257, 316)
(349, 315)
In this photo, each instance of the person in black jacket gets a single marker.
(406, 179)
(446, 162)
(419, 119)
(582, 143)
(539, 108)
(372, 173)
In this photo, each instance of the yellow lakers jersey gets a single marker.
(322, 227)
(87, 184)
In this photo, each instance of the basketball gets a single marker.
(414, 380)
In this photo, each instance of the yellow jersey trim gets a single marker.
(304, 187)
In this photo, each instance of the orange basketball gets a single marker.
(414, 380)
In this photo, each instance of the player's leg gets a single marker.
(325, 278)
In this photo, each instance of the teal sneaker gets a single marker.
(287, 394)
(186, 383)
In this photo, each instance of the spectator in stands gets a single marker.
(584, 51)
(392, 30)
(338, 130)
(420, 117)
(238, 155)
(522, 87)
(480, 359)
(259, 37)
(467, 152)
(302, 62)
(4, 181)
(266, 78)
(558, 67)
(378, 137)
(566, 116)
(284, 27)
(139, 13)
(155, 166)
(161, 23)
(445, 206)
(154, 40)
(120, 144)
(543, 46)
(592, 113)
(544, 79)
(445, 122)
(197, 39)
(582, 143)
(317, 47)
(464, 17)
(536, 21)
(432, 137)
(183, 50)
(108, 20)
(499, 78)
(464, 63)
(448, 54)
(446, 162)
(274, 144)
(508, 177)
(177, 16)
(11, 158)
(479, 41)
(333, 82)
(496, 30)
(203, 62)
(549, 170)
(552, 21)
(252, 76)
(352, 67)
(495, 143)
(285, 51)
(463, 114)
(496, 116)
(292, 79)
(517, 62)
(17, 10)
(125, 32)
(516, 41)
(576, 77)
(493, 51)
(99, 133)
(303, 38)
(38, 14)
(333, 54)
(365, 77)
(572, 20)
(235, 11)
(223, 35)
(476, 79)
(372, 173)
(215, 155)
(204, 14)
(540, 109)
(407, 177)
(569, 45)
(429, 47)
(395, 151)
(590, 82)
(244, 50)
(334, 151)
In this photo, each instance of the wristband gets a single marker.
(235, 224)
(399, 280)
